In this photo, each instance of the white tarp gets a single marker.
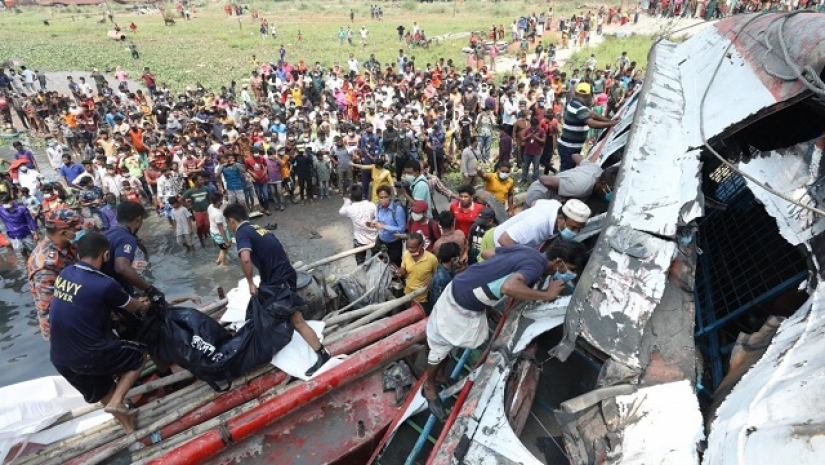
(297, 357)
(29, 407)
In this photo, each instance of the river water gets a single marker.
(24, 354)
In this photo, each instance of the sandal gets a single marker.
(436, 407)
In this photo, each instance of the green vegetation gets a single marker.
(636, 46)
(213, 49)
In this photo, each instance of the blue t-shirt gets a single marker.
(79, 314)
(122, 243)
(267, 254)
(71, 172)
(232, 177)
(480, 285)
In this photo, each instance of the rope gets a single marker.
(551, 436)
(801, 73)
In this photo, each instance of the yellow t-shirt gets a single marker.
(500, 189)
(419, 273)
(297, 95)
(380, 177)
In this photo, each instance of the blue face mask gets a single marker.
(609, 196)
(567, 277)
(567, 234)
(78, 235)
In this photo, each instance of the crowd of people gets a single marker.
(383, 136)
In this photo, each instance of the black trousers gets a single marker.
(394, 250)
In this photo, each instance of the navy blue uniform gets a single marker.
(82, 347)
(122, 243)
(267, 254)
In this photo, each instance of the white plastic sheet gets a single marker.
(297, 357)
(27, 408)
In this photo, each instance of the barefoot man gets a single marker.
(82, 349)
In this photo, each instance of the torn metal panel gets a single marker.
(658, 424)
(621, 287)
(482, 426)
(657, 166)
(794, 172)
(615, 138)
(777, 410)
(623, 425)
(494, 441)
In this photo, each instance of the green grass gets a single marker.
(213, 49)
(636, 46)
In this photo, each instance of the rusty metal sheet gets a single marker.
(344, 421)
(742, 89)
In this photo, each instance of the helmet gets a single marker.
(63, 218)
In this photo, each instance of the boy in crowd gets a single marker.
(218, 229)
(182, 219)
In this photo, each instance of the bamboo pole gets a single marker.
(377, 311)
(128, 440)
(355, 302)
(335, 257)
(180, 402)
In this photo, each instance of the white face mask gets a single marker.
(417, 216)
(503, 176)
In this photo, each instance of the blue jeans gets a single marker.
(566, 157)
(485, 142)
(531, 160)
(262, 191)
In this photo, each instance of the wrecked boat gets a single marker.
(692, 333)
(266, 416)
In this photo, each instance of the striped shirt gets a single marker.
(574, 130)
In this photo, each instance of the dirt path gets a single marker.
(646, 25)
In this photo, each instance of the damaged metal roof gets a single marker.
(776, 413)
(634, 301)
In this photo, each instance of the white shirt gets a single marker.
(29, 180)
(109, 182)
(28, 76)
(55, 154)
(166, 188)
(533, 226)
(352, 64)
(360, 213)
(216, 218)
(181, 217)
(508, 116)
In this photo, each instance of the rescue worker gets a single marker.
(259, 247)
(82, 349)
(52, 254)
(459, 319)
(123, 242)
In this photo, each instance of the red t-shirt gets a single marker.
(257, 169)
(430, 230)
(464, 219)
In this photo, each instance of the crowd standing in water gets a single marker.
(383, 136)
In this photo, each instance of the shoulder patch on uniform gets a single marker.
(127, 248)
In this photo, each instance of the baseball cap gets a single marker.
(576, 210)
(64, 218)
(419, 206)
(487, 213)
(583, 88)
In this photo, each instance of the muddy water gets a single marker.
(23, 353)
